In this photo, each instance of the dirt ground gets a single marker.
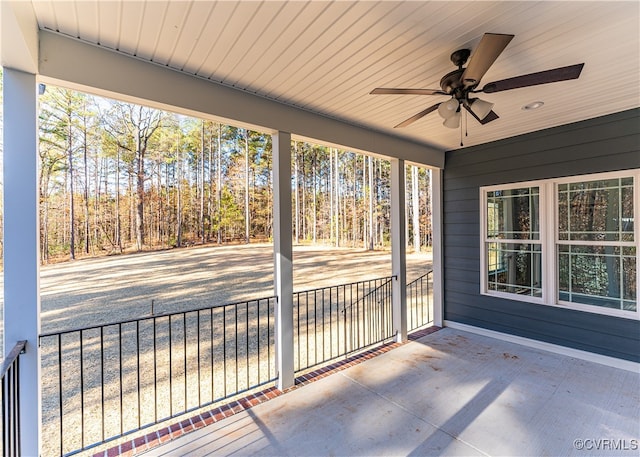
(110, 289)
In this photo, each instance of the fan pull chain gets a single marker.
(466, 124)
(461, 116)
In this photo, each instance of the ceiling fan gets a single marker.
(461, 83)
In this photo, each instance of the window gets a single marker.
(513, 241)
(595, 243)
(567, 242)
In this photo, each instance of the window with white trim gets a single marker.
(568, 242)
(513, 244)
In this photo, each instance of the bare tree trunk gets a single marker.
(371, 234)
(139, 194)
(304, 199)
(167, 206)
(131, 228)
(247, 213)
(295, 192)
(202, 233)
(45, 231)
(211, 185)
(219, 186)
(336, 174)
(86, 183)
(100, 169)
(415, 203)
(159, 212)
(364, 202)
(380, 230)
(44, 198)
(315, 199)
(178, 196)
(332, 196)
(354, 216)
(72, 237)
(118, 237)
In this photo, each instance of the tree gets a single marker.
(133, 127)
(61, 130)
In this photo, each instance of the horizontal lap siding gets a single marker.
(608, 143)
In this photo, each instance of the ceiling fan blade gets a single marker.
(492, 116)
(490, 47)
(533, 79)
(415, 117)
(393, 91)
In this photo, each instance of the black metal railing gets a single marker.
(104, 382)
(419, 302)
(333, 322)
(10, 399)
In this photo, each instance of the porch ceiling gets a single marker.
(335, 53)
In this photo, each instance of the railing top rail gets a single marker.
(420, 277)
(152, 316)
(18, 349)
(368, 294)
(385, 278)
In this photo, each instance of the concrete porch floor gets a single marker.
(449, 393)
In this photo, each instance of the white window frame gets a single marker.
(484, 239)
(549, 241)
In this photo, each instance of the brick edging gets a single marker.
(152, 440)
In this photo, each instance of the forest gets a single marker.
(118, 177)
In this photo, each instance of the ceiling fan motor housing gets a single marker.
(459, 57)
(452, 83)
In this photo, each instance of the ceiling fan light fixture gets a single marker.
(448, 109)
(480, 108)
(453, 122)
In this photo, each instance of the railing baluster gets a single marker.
(224, 349)
(60, 392)
(184, 358)
(213, 393)
(198, 330)
(81, 388)
(102, 399)
(155, 373)
(170, 368)
(258, 336)
(247, 342)
(121, 384)
(138, 370)
(236, 345)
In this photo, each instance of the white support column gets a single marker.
(283, 258)
(436, 227)
(21, 245)
(398, 250)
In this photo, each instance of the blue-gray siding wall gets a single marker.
(597, 145)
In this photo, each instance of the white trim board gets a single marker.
(555, 348)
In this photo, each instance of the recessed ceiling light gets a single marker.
(532, 105)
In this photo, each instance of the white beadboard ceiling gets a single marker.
(335, 53)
